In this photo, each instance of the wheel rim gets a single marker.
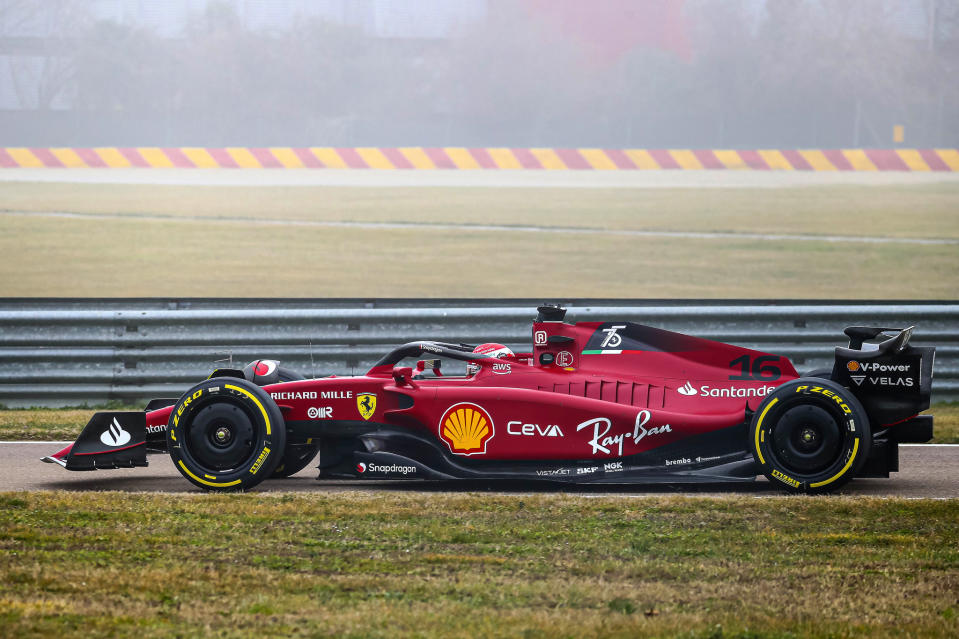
(807, 439)
(222, 437)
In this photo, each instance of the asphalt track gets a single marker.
(462, 179)
(927, 471)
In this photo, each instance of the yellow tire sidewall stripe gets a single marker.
(205, 482)
(759, 427)
(255, 401)
(852, 458)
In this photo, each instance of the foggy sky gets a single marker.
(606, 73)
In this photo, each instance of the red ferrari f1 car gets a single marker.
(593, 402)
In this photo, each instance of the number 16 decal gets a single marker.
(762, 368)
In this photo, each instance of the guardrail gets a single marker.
(68, 352)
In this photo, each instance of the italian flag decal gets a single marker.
(609, 351)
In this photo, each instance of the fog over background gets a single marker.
(606, 73)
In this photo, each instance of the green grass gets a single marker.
(48, 424)
(175, 256)
(946, 425)
(465, 565)
(890, 211)
(41, 424)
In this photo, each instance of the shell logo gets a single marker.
(853, 366)
(466, 428)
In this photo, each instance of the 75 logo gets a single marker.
(613, 338)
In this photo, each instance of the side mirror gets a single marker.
(403, 376)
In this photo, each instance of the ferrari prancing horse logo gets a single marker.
(366, 404)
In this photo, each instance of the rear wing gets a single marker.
(892, 378)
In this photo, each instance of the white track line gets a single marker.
(506, 228)
(929, 445)
(657, 179)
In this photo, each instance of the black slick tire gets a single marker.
(226, 434)
(295, 458)
(810, 436)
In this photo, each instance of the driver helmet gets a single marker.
(492, 350)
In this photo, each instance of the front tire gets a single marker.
(810, 436)
(226, 434)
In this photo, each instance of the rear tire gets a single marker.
(295, 458)
(810, 436)
(225, 434)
